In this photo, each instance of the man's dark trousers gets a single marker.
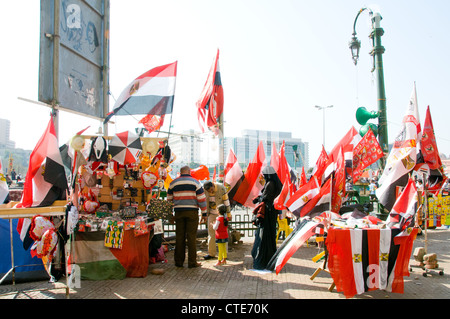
(186, 229)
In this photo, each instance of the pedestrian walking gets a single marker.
(221, 234)
(188, 196)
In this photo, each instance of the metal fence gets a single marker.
(241, 222)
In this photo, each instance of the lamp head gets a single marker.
(354, 46)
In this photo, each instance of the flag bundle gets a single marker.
(151, 93)
(252, 183)
(284, 174)
(298, 200)
(362, 260)
(210, 103)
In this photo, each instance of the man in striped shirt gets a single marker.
(188, 196)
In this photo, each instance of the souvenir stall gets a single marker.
(117, 183)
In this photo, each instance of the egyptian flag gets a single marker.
(304, 230)
(286, 192)
(338, 187)
(302, 196)
(151, 93)
(401, 160)
(320, 203)
(303, 179)
(428, 144)
(46, 180)
(210, 103)
(233, 175)
(321, 166)
(275, 158)
(347, 143)
(362, 260)
(252, 184)
(405, 207)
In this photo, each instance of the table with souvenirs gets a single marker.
(120, 208)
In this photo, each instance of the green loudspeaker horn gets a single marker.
(365, 128)
(362, 115)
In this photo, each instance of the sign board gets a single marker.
(73, 60)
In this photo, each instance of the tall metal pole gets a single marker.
(377, 53)
(106, 23)
(56, 42)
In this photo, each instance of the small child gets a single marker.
(221, 228)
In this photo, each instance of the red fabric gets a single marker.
(340, 262)
(402, 264)
(373, 242)
(338, 189)
(134, 253)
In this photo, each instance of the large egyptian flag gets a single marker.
(151, 93)
(252, 184)
(233, 175)
(46, 180)
(210, 103)
(362, 260)
(401, 159)
(302, 196)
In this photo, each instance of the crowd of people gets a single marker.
(190, 197)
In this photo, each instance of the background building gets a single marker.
(5, 142)
(195, 149)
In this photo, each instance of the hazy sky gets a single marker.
(278, 59)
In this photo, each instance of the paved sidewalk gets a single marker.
(237, 280)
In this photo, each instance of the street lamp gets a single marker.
(323, 109)
(376, 53)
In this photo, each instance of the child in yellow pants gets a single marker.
(221, 228)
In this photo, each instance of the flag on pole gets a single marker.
(347, 143)
(401, 159)
(46, 180)
(321, 165)
(233, 175)
(303, 179)
(210, 103)
(320, 203)
(253, 183)
(295, 240)
(302, 196)
(151, 93)
(275, 158)
(405, 207)
(365, 153)
(338, 187)
(428, 144)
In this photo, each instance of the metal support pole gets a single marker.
(56, 42)
(377, 53)
(106, 24)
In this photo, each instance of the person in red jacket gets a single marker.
(221, 231)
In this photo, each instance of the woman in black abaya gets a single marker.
(265, 244)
